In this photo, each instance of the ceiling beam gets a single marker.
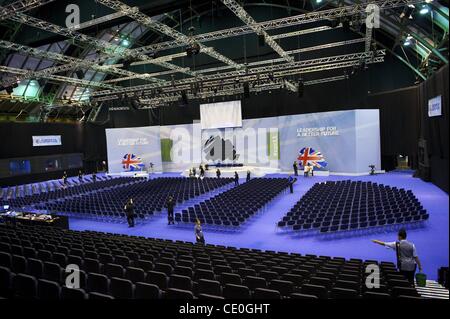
(21, 6)
(145, 20)
(249, 21)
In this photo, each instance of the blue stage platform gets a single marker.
(431, 240)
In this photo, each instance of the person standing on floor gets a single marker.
(236, 179)
(129, 212)
(248, 176)
(80, 176)
(64, 178)
(291, 181)
(218, 173)
(200, 239)
(407, 259)
(94, 177)
(170, 208)
(295, 165)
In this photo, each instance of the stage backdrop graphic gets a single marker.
(133, 149)
(348, 140)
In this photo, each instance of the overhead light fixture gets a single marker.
(125, 43)
(408, 40)
(424, 10)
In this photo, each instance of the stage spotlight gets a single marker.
(134, 103)
(184, 98)
(246, 90)
(193, 49)
(345, 24)
(333, 23)
(301, 87)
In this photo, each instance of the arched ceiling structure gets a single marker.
(138, 49)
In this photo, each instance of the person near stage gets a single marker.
(64, 178)
(218, 173)
(129, 212)
(80, 176)
(311, 169)
(306, 170)
(295, 165)
(202, 171)
(291, 181)
(94, 177)
(199, 233)
(194, 172)
(248, 176)
(236, 179)
(407, 259)
(191, 175)
(170, 207)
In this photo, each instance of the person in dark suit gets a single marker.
(80, 176)
(236, 179)
(94, 177)
(129, 212)
(291, 181)
(295, 165)
(65, 178)
(202, 171)
(200, 239)
(218, 173)
(248, 176)
(170, 208)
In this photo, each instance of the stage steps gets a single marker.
(433, 290)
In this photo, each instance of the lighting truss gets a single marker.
(167, 98)
(109, 49)
(62, 58)
(20, 6)
(248, 20)
(58, 78)
(330, 14)
(256, 63)
(252, 74)
(94, 22)
(145, 20)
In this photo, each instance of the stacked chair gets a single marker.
(233, 207)
(33, 262)
(332, 207)
(149, 197)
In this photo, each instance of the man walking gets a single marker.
(407, 259)
(129, 212)
(170, 208)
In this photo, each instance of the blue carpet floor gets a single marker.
(431, 240)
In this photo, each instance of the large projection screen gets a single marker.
(133, 149)
(221, 115)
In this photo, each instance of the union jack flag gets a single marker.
(307, 155)
(131, 162)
